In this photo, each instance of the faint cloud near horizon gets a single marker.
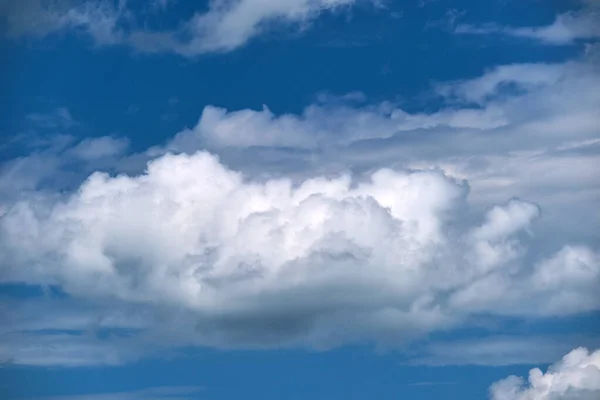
(156, 393)
(425, 383)
(58, 118)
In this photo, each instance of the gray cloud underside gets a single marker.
(343, 224)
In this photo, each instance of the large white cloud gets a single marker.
(526, 130)
(575, 377)
(325, 262)
(330, 227)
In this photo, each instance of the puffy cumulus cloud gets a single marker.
(234, 262)
(509, 109)
(577, 268)
(575, 377)
(224, 26)
(210, 228)
(319, 125)
(525, 130)
(341, 226)
(568, 27)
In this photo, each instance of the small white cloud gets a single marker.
(102, 147)
(58, 118)
(575, 377)
(69, 350)
(526, 77)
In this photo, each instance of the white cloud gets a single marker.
(335, 246)
(102, 147)
(575, 377)
(230, 24)
(525, 106)
(566, 28)
(318, 125)
(524, 76)
(571, 275)
(58, 118)
(155, 393)
(525, 130)
(39, 18)
(226, 25)
(500, 350)
(64, 349)
(262, 264)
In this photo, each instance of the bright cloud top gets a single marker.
(575, 377)
(271, 244)
(325, 262)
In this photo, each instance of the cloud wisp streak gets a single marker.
(224, 26)
(157, 393)
(566, 29)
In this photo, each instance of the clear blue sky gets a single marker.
(298, 199)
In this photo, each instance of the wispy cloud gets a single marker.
(156, 393)
(433, 383)
(226, 25)
(501, 350)
(566, 28)
(57, 118)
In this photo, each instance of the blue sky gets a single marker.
(301, 199)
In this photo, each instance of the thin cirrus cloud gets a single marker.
(155, 393)
(501, 350)
(224, 26)
(566, 28)
(575, 377)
